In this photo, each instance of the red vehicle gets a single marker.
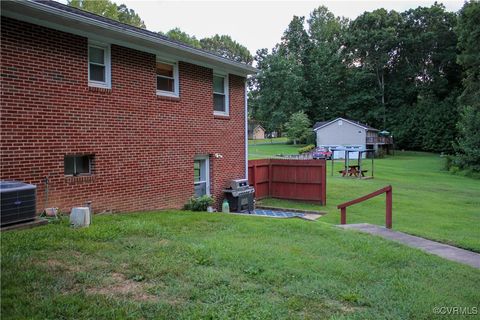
(322, 153)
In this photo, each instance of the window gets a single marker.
(78, 165)
(201, 177)
(220, 94)
(167, 79)
(99, 65)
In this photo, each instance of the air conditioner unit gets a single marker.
(17, 202)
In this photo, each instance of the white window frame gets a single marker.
(226, 93)
(176, 80)
(207, 173)
(107, 59)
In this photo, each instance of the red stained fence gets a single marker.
(289, 179)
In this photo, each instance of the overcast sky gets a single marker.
(255, 24)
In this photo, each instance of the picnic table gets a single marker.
(353, 170)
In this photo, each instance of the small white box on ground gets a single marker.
(80, 217)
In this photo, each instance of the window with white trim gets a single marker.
(201, 176)
(220, 94)
(167, 79)
(99, 65)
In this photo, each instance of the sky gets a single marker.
(254, 24)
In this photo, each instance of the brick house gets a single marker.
(95, 110)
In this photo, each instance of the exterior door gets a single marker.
(201, 176)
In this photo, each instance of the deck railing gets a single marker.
(384, 140)
(388, 211)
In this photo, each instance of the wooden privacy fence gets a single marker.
(289, 179)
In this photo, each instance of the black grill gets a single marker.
(17, 203)
(240, 196)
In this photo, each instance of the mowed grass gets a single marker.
(266, 141)
(260, 151)
(427, 201)
(183, 265)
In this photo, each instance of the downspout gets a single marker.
(246, 131)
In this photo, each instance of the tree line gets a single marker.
(415, 73)
(222, 45)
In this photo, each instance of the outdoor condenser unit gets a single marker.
(18, 202)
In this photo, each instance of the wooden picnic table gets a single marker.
(353, 170)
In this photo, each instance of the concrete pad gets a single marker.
(442, 250)
(25, 225)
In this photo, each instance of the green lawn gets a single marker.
(270, 150)
(183, 265)
(268, 141)
(427, 201)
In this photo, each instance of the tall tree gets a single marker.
(110, 10)
(326, 73)
(373, 45)
(279, 91)
(179, 35)
(468, 30)
(225, 46)
(295, 43)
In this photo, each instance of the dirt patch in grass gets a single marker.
(57, 264)
(122, 286)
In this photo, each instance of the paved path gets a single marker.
(439, 249)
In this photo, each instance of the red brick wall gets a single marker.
(143, 145)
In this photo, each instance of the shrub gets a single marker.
(311, 138)
(305, 149)
(199, 203)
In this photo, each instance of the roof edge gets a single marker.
(349, 121)
(175, 45)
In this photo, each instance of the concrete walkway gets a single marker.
(439, 249)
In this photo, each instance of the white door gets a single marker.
(201, 176)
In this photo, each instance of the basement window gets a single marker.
(220, 95)
(99, 65)
(167, 79)
(76, 165)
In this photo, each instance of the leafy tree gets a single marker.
(129, 16)
(373, 45)
(110, 10)
(298, 127)
(222, 45)
(326, 74)
(280, 87)
(425, 82)
(179, 35)
(225, 46)
(468, 30)
(295, 43)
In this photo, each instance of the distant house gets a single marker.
(255, 131)
(341, 132)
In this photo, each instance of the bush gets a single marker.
(198, 203)
(305, 149)
(311, 138)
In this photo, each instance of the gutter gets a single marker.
(246, 131)
(42, 7)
